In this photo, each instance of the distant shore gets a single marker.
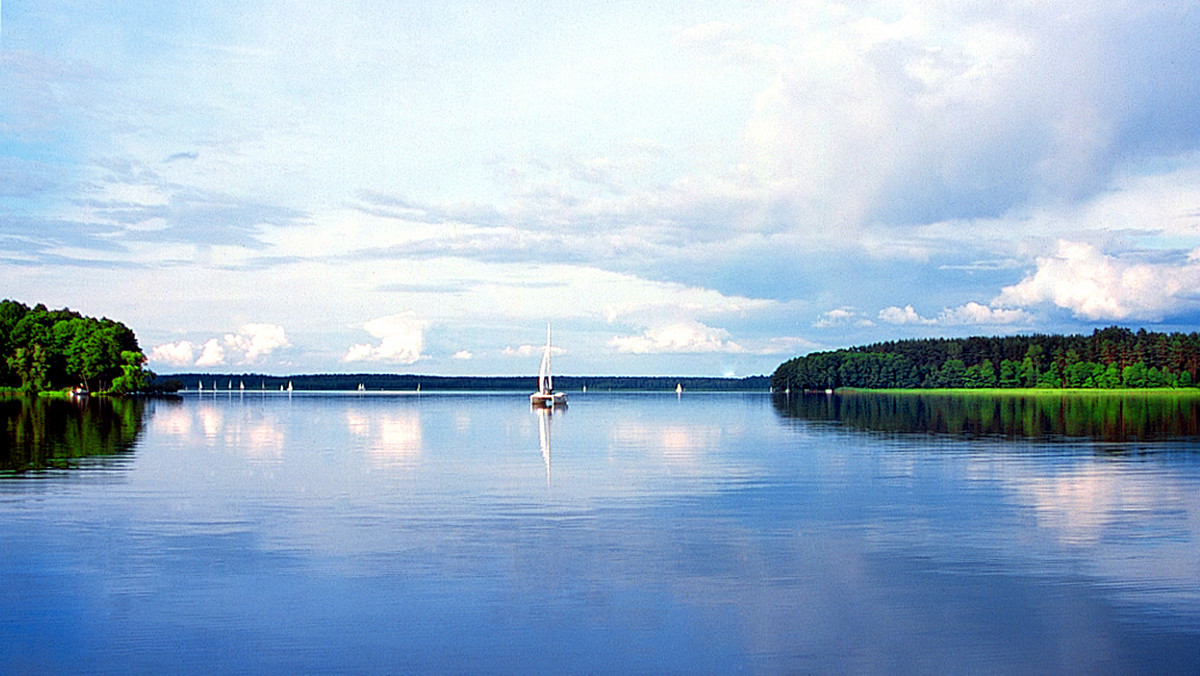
(412, 382)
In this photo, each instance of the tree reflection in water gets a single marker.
(42, 432)
(1101, 416)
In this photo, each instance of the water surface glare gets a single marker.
(467, 533)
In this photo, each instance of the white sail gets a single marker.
(546, 396)
(545, 384)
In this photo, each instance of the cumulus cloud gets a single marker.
(907, 113)
(974, 313)
(522, 350)
(842, 316)
(212, 354)
(970, 314)
(902, 315)
(678, 337)
(250, 344)
(1094, 285)
(463, 355)
(256, 340)
(401, 339)
(181, 353)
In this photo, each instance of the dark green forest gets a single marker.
(43, 349)
(1109, 358)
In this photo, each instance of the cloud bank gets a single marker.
(252, 344)
(1097, 286)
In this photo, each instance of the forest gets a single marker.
(1109, 358)
(43, 349)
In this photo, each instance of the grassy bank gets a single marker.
(48, 394)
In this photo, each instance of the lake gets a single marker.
(630, 533)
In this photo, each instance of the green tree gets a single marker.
(987, 374)
(1009, 373)
(31, 365)
(952, 374)
(1051, 378)
(1110, 377)
(1027, 374)
(133, 376)
(1134, 375)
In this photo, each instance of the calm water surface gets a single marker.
(629, 534)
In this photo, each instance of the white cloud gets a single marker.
(971, 314)
(902, 315)
(174, 354)
(1094, 285)
(841, 317)
(530, 350)
(785, 345)
(212, 354)
(522, 351)
(679, 337)
(974, 313)
(401, 339)
(253, 341)
(463, 355)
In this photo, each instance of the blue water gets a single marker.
(267, 533)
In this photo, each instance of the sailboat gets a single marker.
(546, 396)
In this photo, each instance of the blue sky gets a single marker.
(680, 188)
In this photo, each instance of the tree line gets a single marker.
(43, 349)
(411, 382)
(1113, 357)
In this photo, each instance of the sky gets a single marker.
(702, 188)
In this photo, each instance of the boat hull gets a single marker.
(548, 399)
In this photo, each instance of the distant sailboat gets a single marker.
(289, 386)
(546, 396)
(678, 388)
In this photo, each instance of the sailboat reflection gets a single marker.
(545, 417)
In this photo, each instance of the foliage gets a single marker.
(1114, 357)
(30, 365)
(47, 349)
